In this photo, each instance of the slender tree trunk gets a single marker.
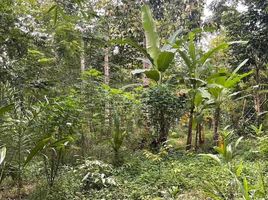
(190, 129)
(216, 125)
(108, 120)
(106, 66)
(82, 68)
(82, 56)
(201, 135)
(163, 132)
(196, 136)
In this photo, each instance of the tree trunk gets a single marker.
(82, 56)
(216, 125)
(107, 116)
(201, 135)
(163, 132)
(196, 136)
(106, 66)
(190, 129)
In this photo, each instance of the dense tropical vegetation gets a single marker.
(133, 99)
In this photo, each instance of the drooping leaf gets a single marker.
(239, 66)
(192, 47)
(238, 142)
(171, 41)
(211, 52)
(186, 59)
(38, 148)
(164, 60)
(153, 74)
(214, 157)
(52, 8)
(151, 35)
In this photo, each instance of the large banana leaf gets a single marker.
(151, 35)
(164, 60)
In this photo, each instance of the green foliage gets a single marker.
(163, 107)
(118, 136)
(151, 35)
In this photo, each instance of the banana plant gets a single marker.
(195, 63)
(158, 58)
(218, 89)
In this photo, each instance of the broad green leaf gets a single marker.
(151, 35)
(238, 142)
(229, 83)
(214, 157)
(198, 99)
(38, 148)
(62, 142)
(173, 37)
(153, 74)
(171, 41)
(192, 47)
(239, 66)
(186, 59)
(211, 52)
(3, 151)
(164, 60)
(220, 150)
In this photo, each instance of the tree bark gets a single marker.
(201, 135)
(82, 56)
(190, 129)
(106, 66)
(196, 136)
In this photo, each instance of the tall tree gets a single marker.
(248, 24)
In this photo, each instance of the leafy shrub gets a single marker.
(163, 107)
(96, 175)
